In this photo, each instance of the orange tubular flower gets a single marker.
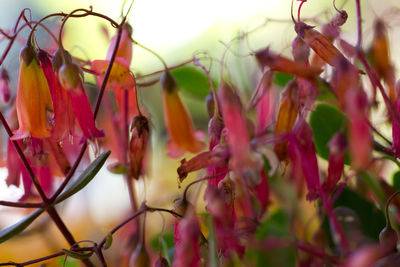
(33, 97)
(177, 120)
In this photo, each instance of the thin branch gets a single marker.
(20, 204)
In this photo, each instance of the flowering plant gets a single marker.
(294, 172)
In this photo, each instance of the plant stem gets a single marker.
(359, 25)
(20, 204)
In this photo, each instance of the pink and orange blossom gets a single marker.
(33, 98)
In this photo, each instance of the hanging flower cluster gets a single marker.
(293, 160)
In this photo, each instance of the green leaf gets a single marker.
(61, 261)
(86, 176)
(193, 81)
(282, 79)
(396, 180)
(108, 241)
(373, 184)
(17, 228)
(372, 219)
(325, 122)
(77, 255)
(166, 241)
(277, 225)
(325, 93)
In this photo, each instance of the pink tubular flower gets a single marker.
(235, 122)
(71, 79)
(360, 140)
(64, 119)
(177, 120)
(304, 160)
(33, 98)
(187, 235)
(220, 204)
(337, 147)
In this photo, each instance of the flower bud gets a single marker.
(59, 58)
(28, 54)
(70, 75)
(181, 206)
(388, 238)
(161, 262)
(210, 105)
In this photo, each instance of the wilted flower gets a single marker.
(138, 144)
(381, 57)
(177, 120)
(287, 114)
(217, 157)
(278, 63)
(4, 86)
(33, 98)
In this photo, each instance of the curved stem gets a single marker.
(359, 24)
(152, 52)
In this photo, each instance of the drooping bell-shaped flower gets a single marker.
(72, 80)
(380, 54)
(360, 139)
(120, 78)
(33, 98)
(287, 114)
(301, 150)
(187, 235)
(236, 124)
(64, 119)
(177, 120)
(337, 152)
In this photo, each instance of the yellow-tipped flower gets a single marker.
(33, 97)
(177, 120)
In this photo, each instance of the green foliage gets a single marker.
(61, 261)
(282, 79)
(372, 219)
(325, 122)
(277, 225)
(165, 243)
(17, 228)
(193, 81)
(396, 180)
